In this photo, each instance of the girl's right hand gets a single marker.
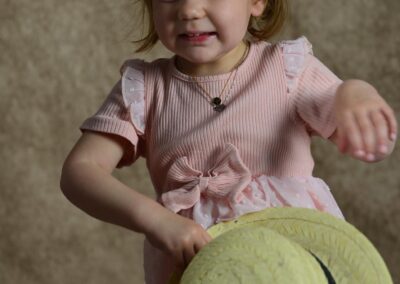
(178, 237)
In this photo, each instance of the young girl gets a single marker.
(224, 125)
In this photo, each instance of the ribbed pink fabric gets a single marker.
(213, 166)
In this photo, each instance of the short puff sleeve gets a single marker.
(311, 85)
(123, 112)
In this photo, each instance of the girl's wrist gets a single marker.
(355, 89)
(152, 216)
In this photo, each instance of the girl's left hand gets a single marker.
(366, 125)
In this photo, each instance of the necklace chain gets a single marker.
(216, 102)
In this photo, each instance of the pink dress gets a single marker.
(214, 166)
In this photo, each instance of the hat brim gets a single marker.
(346, 252)
(259, 255)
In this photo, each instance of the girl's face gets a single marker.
(204, 32)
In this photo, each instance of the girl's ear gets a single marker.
(257, 7)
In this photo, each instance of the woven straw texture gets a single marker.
(242, 247)
(254, 256)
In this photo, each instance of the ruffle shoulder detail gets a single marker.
(294, 54)
(133, 93)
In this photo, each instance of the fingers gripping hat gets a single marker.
(286, 245)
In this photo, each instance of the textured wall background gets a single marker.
(59, 59)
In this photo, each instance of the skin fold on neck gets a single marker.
(224, 64)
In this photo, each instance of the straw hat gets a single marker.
(286, 245)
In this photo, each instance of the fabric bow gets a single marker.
(226, 179)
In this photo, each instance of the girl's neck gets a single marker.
(222, 65)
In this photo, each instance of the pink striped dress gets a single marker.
(213, 166)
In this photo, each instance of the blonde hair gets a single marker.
(261, 28)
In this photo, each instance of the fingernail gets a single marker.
(359, 153)
(393, 136)
(383, 149)
(370, 157)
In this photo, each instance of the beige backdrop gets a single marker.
(58, 60)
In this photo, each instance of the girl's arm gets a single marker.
(87, 182)
(366, 125)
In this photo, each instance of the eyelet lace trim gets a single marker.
(294, 56)
(133, 93)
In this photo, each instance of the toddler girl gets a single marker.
(224, 125)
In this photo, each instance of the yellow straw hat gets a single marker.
(286, 245)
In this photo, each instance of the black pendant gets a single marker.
(217, 106)
(216, 101)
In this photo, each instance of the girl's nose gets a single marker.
(191, 9)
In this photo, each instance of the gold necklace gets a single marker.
(216, 102)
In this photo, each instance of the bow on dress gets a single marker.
(225, 180)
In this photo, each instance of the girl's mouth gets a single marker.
(197, 37)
